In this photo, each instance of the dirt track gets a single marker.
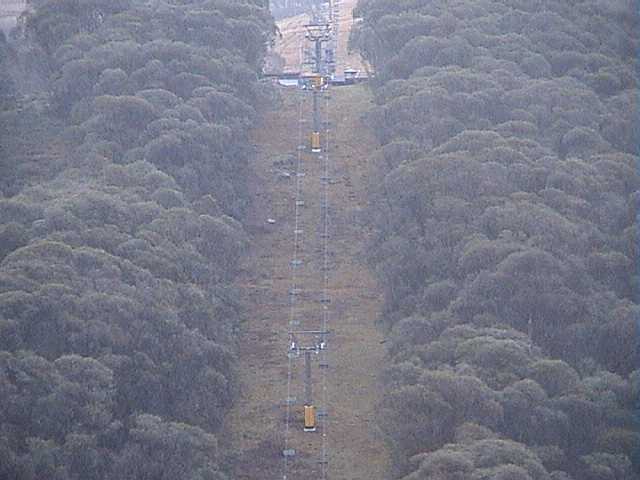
(355, 448)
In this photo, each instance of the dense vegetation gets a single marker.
(505, 208)
(117, 323)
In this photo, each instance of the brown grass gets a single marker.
(356, 449)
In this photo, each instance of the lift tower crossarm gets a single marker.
(318, 33)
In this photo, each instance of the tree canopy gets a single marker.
(504, 205)
(118, 242)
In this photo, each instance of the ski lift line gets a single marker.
(294, 280)
(294, 309)
(290, 360)
(326, 311)
(292, 306)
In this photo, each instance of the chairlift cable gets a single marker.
(292, 299)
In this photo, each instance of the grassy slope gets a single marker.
(256, 423)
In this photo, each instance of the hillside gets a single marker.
(123, 188)
(505, 208)
(356, 448)
(458, 261)
(288, 44)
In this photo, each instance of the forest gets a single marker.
(503, 198)
(505, 203)
(123, 136)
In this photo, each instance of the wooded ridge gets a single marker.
(505, 203)
(117, 320)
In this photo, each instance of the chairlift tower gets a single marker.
(318, 32)
(308, 350)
